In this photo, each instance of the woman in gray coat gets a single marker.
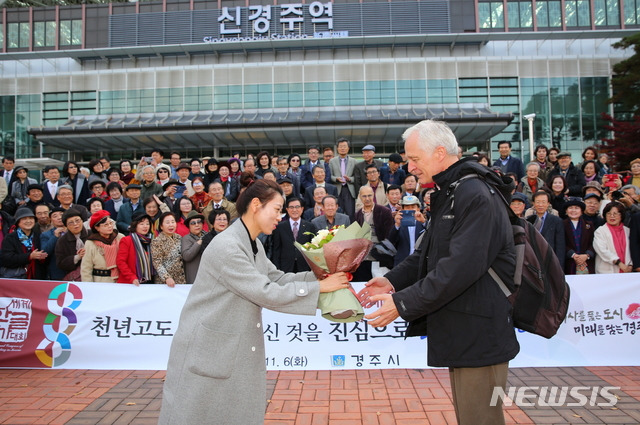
(216, 371)
(192, 244)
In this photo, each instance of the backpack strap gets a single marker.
(451, 194)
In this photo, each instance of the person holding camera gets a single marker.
(410, 223)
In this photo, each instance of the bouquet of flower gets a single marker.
(338, 249)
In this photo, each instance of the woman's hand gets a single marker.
(334, 282)
(136, 282)
(170, 282)
(625, 267)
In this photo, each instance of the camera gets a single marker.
(617, 195)
(147, 159)
(408, 218)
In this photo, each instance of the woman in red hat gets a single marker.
(101, 250)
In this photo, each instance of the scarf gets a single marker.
(126, 178)
(27, 247)
(590, 179)
(201, 200)
(108, 249)
(25, 240)
(533, 184)
(144, 267)
(224, 179)
(619, 240)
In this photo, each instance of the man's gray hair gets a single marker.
(630, 186)
(535, 164)
(63, 186)
(432, 134)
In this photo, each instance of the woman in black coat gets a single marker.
(21, 256)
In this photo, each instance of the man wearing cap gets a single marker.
(395, 174)
(595, 188)
(592, 209)
(35, 195)
(580, 256)
(132, 192)
(572, 174)
(507, 162)
(183, 172)
(518, 203)
(405, 233)
(65, 196)
(169, 192)
(360, 173)
(342, 175)
(287, 188)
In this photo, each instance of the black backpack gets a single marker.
(541, 298)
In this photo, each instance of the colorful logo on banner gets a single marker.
(36, 320)
(55, 349)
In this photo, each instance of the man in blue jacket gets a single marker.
(507, 162)
(444, 289)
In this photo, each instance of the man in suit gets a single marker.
(50, 185)
(218, 202)
(342, 175)
(549, 225)
(331, 216)
(508, 163)
(65, 197)
(403, 235)
(286, 256)
(360, 172)
(319, 180)
(315, 209)
(8, 163)
(307, 168)
(125, 213)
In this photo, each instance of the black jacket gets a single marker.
(444, 289)
(553, 232)
(286, 256)
(13, 254)
(575, 179)
(634, 240)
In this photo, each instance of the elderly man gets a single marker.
(331, 216)
(381, 221)
(531, 183)
(319, 180)
(314, 209)
(395, 174)
(572, 174)
(126, 211)
(360, 170)
(218, 202)
(549, 225)
(65, 197)
(378, 187)
(451, 297)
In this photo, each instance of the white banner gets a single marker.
(111, 326)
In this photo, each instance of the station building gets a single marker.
(211, 77)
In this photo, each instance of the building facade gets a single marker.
(211, 77)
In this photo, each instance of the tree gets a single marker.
(625, 125)
(626, 78)
(625, 146)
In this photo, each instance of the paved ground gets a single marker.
(362, 397)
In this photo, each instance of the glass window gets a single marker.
(513, 12)
(13, 35)
(555, 14)
(50, 30)
(606, 12)
(38, 34)
(484, 15)
(613, 12)
(526, 15)
(542, 13)
(442, 91)
(65, 33)
(584, 13)
(76, 32)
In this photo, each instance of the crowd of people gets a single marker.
(150, 222)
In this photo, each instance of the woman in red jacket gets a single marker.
(134, 254)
